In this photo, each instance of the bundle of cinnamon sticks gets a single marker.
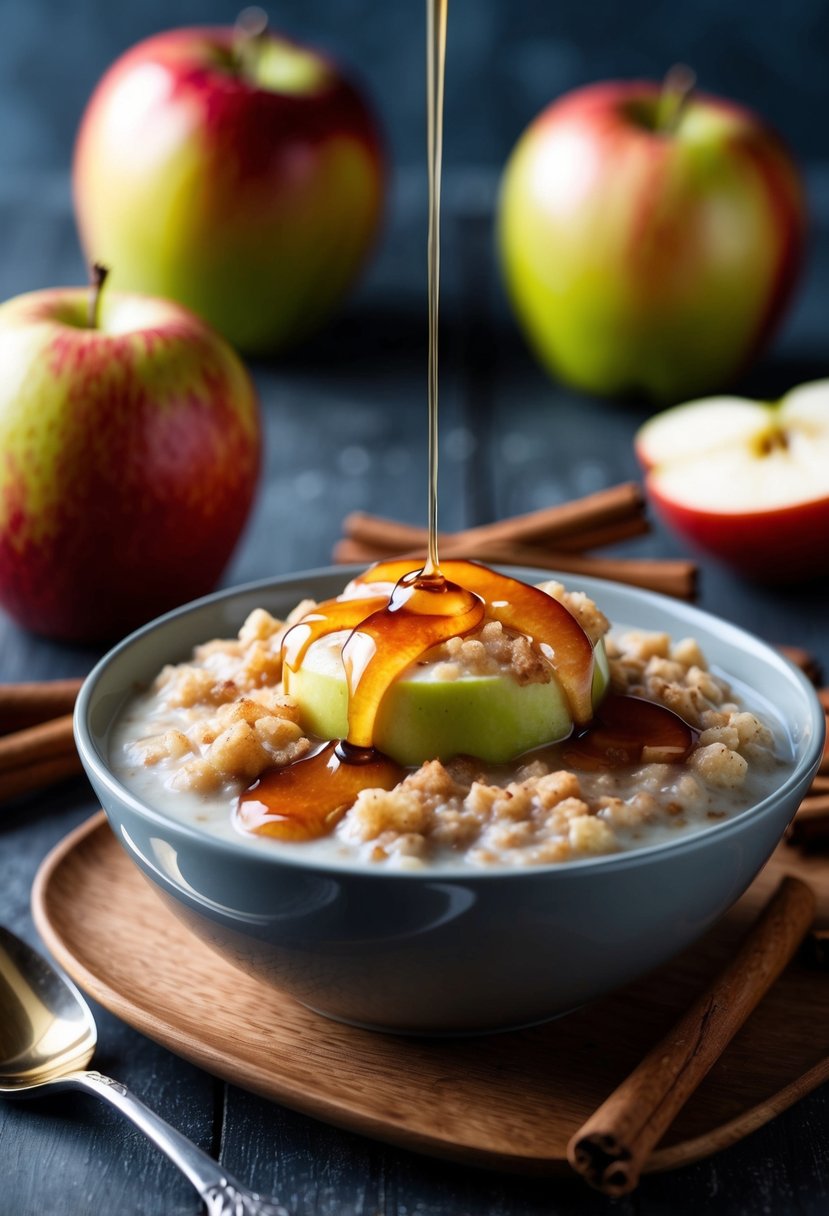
(561, 537)
(37, 749)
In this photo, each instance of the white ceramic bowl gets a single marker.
(451, 950)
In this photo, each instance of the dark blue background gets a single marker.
(507, 59)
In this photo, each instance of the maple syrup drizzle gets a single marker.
(522, 608)
(395, 615)
(307, 799)
(326, 618)
(418, 617)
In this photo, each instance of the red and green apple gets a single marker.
(130, 443)
(747, 481)
(650, 237)
(235, 172)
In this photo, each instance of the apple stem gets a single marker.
(250, 28)
(677, 87)
(97, 277)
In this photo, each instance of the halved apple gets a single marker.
(747, 481)
(493, 717)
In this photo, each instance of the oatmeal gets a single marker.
(209, 727)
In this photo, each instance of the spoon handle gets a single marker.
(221, 1194)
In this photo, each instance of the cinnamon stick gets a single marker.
(549, 525)
(820, 785)
(675, 578)
(811, 823)
(390, 538)
(599, 537)
(27, 778)
(36, 743)
(823, 697)
(27, 704)
(615, 1142)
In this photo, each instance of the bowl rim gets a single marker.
(730, 634)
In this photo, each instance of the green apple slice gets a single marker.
(492, 717)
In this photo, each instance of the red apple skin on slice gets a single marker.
(746, 481)
(767, 546)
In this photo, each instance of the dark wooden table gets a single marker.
(346, 428)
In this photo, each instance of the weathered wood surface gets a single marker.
(345, 422)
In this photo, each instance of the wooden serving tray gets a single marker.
(508, 1101)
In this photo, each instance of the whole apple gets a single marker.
(747, 481)
(649, 247)
(131, 449)
(240, 175)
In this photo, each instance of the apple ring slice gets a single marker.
(414, 714)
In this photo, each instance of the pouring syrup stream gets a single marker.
(436, 11)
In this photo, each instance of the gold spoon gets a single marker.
(47, 1037)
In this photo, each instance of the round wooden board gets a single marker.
(507, 1101)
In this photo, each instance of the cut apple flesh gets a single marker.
(733, 456)
(422, 717)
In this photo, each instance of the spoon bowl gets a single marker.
(46, 1027)
(48, 1036)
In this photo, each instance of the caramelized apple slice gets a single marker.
(423, 717)
(418, 617)
(524, 609)
(327, 617)
(629, 730)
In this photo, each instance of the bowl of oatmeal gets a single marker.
(457, 892)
